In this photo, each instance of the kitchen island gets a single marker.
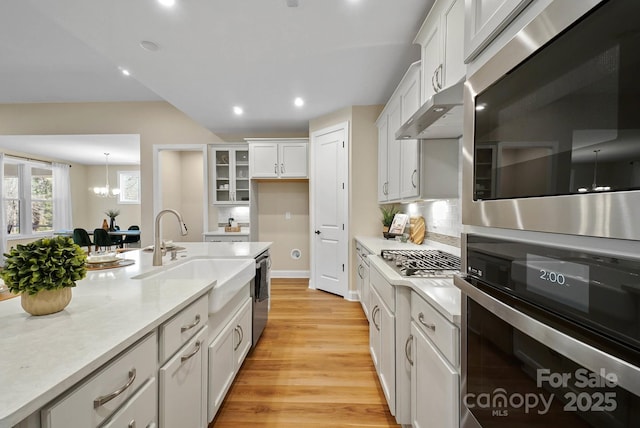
(111, 310)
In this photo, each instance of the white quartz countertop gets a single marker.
(41, 357)
(439, 292)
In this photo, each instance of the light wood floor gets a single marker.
(311, 367)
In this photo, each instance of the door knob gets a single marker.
(317, 232)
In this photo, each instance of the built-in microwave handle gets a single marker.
(407, 348)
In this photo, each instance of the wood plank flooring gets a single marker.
(311, 367)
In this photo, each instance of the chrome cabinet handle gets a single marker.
(241, 334)
(132, 424)
(282, 168)
(433, 84)
(106, 398)
(360, 267)
(151, 425)
(194, 352)
(413, 174)
(236, 329)
(431, 327)
(439, 77)
(275, 168)
(407, 350)
(375, 310)
(190, 326)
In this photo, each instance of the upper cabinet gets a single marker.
(485, 19)
(278, 158)
(230, 174)
(441, 38)
(398, 172)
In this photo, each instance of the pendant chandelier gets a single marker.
(106, 191)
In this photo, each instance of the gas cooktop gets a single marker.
(422, 263)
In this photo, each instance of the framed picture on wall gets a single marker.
(129, 184)
(398, 224)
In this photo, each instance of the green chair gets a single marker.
(102, 240)
(81, 237)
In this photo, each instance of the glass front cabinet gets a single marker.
(230, 174)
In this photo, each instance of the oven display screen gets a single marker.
(562, 281)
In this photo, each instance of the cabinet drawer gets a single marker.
(179, 329)
(125, 375)
(139, 412)
(384, 289)
(443, 334)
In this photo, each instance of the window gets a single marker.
(28, 198)
(129, 184)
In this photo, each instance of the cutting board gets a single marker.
(418, 230)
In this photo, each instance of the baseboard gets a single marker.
(289, 274)
(352, 296)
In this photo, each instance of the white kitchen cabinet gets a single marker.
(278, 158)
(230, 175)
(398, 173)
(484, 20)
(97, 398)
(382, 335)
(362, 278)
(433, 350)
(434, 385)
(441, 38)
(183, 385)
(140, 411)
(227, 351)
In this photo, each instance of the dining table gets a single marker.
(121, 233)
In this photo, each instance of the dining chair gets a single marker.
(132, 239)
(102, 240)
(81, 237)
(117, 239)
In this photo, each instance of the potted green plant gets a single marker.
(43, 272)
(112, 214)
(388, 212)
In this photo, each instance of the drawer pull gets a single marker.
(407, 349)
(194, 352)
(431, 327)
(132, 424)
(190, 326)
(106, 398)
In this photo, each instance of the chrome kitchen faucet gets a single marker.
(157, 242)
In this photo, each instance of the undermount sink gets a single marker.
(231, 275)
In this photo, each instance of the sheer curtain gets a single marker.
(3, 214)
(61, 197)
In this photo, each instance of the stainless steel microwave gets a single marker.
(552, 125)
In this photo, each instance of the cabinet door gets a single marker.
(244, 334)
(222, 176)
(183, 386)
(387, 363)
(293, 160)
(263, 160)
(434, 386)
(221, 367)
(409, 169)
(383, 134)
(393, 150)
(453, 30)
(241, 176)
(430, 55)
(140, 411)
(485, 19)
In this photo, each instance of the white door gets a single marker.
(329, 195)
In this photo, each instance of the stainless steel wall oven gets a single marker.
(550, 337)
(552, 127)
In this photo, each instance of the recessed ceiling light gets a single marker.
(125, 72)
(148, 45)
(238, 110)
(299, 102)
(167, 3)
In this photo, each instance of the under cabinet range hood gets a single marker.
(440, 117)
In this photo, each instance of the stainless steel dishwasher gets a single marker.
(260, 292)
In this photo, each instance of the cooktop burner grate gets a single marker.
(422, 263)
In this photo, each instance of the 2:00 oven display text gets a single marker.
(553, 277)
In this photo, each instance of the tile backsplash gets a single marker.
(442, 219)
(239, 214)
